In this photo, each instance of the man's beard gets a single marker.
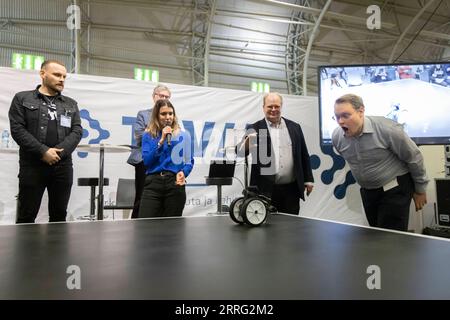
(55, 89)
(52, 87)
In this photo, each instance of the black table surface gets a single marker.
(213, 258)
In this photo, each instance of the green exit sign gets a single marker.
(146, 74)
(27, 61)
(260, 87)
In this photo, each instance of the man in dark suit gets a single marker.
(135, 159)
(281, 167)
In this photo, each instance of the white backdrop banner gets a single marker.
(108, 108)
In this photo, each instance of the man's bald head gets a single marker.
(46, 63)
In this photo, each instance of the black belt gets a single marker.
(163, 173)
(400, 180)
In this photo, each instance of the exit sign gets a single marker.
(260, 87)
(27, 61)
(146, 74)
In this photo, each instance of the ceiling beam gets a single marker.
(328, 15)
(312, 38)
(405, 31)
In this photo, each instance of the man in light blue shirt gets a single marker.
(385, 162)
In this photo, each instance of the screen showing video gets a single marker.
(415, 95)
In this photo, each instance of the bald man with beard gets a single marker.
(47, 127)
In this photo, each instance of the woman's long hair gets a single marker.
(154, 127)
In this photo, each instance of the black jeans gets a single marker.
(33, 180)
(285, 198)
(162, 197)
(389, 209)
(139, 181)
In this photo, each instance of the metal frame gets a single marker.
(203, 16)
(302, 48)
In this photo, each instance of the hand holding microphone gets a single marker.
(167, 133)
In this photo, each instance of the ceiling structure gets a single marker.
(227, 43)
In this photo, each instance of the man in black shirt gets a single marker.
(47, 127)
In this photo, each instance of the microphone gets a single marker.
(168, 135)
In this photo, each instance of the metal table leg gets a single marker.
(100, 185)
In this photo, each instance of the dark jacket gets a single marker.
(142, 120)
(28, 117)
(302, 165)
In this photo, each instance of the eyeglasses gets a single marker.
(344, 116)
(274, 107)
(162, 96)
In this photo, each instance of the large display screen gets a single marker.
(415, 95)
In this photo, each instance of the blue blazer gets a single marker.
(142, 120)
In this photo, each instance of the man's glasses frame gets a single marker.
(162, 96)
(344, 116)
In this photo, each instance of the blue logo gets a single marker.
(327, 176)
(95, 125)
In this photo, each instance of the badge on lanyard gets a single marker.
(66, 121)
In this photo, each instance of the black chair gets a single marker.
(220, 174)
(124, 196)
(91, 182)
